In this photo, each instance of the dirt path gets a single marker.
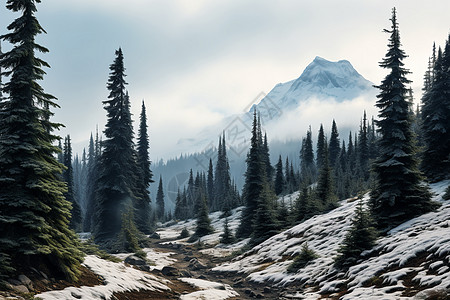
(190, 262)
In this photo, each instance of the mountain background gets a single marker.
(324, 91)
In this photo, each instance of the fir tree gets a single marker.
(320, 148)
(254, 182)
(75, 220)
(210, 184)
(116, 178)
(91, 183)
(308, 168)
(266, 158)
(363, 150)
(142, 197)
(399, 193)
(325, 190)
(360, 237)
(34, 219)
(160, 201)
(227, 236)
(435, 115)
(335, 148)
(279, 177)
(265, 221)
(203, 222)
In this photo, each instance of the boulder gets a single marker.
(26, 281)
(155, 236)
(135, 261)
(195, 264)
(170, 271)
(18, 288)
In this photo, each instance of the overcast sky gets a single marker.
(196, 61)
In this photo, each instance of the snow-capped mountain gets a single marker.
(321, 79)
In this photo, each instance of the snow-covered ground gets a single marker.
(118, 278)
(389, 261)
(208, 290)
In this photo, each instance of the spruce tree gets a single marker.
(160, 201)
(210, 184)
(320, 148)
(279, 177)
(254, 182)
(360, 237)
(203, 222)
(363, 150)
(75, 220)
(399, 192)
(308, 167)
(116, 178)
(227, 236)
(34, 229)
(142, 197)
(266, 158)
(435, 115)
(265, 222)
(91, 183)
(325, 190)
(335, 147)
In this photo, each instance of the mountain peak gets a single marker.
(325, 73)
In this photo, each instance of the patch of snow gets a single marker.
(118, 278)
(209, 290)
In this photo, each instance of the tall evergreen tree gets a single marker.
(116, 178)
(363, 150)
(142, 197)
(399, 193)
(222, 181)
(265, 221)
(75, 220)
(308, 167)
(320, 148)
(210, 183)
(91, 183)
(160, 201)
(325, 190)
(435, 116)
(34, 219)
(279, 177)
(203, 222)
(266, 158)
(254, 182)
(334, 148)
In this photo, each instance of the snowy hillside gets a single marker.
(412, 259)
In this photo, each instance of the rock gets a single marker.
(185, 273)
(201, 277)
(266, 290)
(170, 271)
(26, 281)
(145, 268)
(248, 291)
(14, 281)
(155, 236)
(432, 293)
(187, 258)
(18, 288)
(135, 261)
(75, 295)
(195, 264)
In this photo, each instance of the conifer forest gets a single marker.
(340, 210)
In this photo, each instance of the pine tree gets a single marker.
(320, 148)
(265, 222)
(335, 147)
(210, 184)
(91, 183)
(116, 178)
(325, 190)
(308, 168)
(222, 181)
(203, 222)
(227, 236)
(279, 177)
(34, 219)
(266, 158)
(75, 220)
(363, 150)
(254, 182)
(399, 192)
(142, 197)
(435, 114)
(360, 237)
(160, 201)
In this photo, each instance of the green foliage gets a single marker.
(203, 222)
(279, 177)
(305, 256)
(227, 236)
(90, 248)
(128, 238)
(184, 233)
(399, 193)
(360, 237)
(160, 201)
(447, 194)
(265, 222)
(34, 213)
